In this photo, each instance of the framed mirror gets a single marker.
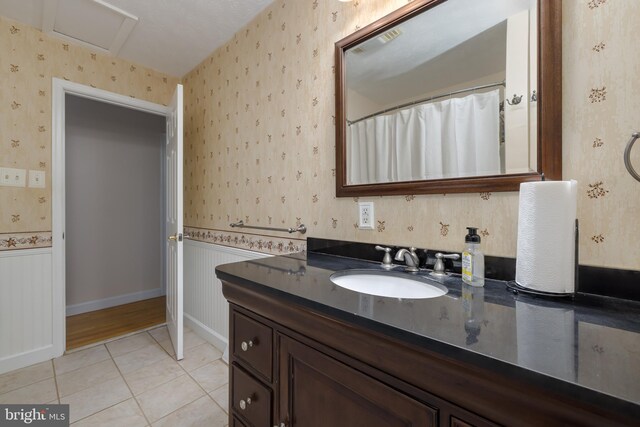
(450, 96)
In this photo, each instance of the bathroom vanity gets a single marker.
(306, 352)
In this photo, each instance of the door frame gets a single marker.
(60, 88)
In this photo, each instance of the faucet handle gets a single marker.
(440, 255)
(438, 268)
(386, 261)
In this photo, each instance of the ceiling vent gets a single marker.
(390, 35)
(93, 23)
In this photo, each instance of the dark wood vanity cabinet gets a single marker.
(317, 390)
(312, 388)
(293, 366)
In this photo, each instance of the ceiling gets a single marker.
(171, 36)
(455, 41)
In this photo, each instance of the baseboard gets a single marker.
(28, 358)
(206, 333)
(99, 304)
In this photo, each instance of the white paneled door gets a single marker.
(174, 283)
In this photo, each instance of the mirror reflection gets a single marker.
(448, 93)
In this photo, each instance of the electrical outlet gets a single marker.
(36, 179)
(365, 215)
(13, 177)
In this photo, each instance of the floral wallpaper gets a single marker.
(601, 105)
(260, 144)
(29, 60)
(259, 133)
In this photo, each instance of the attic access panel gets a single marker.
(93, 23)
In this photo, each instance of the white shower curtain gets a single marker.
(446, 139)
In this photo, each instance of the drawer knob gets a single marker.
(245, 346)
(245, 403)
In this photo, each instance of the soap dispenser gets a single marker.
(472, 259)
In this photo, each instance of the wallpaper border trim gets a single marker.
(254, 242)
(25, 240)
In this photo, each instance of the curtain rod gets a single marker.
(420, 101)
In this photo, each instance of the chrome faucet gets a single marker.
(410, 258)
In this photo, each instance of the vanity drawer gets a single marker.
(253, 344)
(250, 400)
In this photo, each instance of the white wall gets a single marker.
(25, 308)
(114, 204)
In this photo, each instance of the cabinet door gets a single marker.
(317, 390)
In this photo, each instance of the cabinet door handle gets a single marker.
(245, 346)
(245, 403)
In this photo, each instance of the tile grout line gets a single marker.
(34, 382)
(216, 402)
(127, 384)
(177, 409)
(205, 391)
(82, 367)
(159, 385)
(117, 403)
(218, 405)
(55, 381)
(158, 342)
(194, 380)
(186, 372)
(96, 413)
(111, 357)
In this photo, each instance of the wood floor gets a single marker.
(96, 326)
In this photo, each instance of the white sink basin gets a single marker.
(388, 284)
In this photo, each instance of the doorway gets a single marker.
(114, 206)
(169, 190)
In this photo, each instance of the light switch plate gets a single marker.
(365, 215)
(11, 177)
(36, 179)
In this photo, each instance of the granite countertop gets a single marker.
(588, 348)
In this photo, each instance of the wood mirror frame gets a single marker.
(549, 107)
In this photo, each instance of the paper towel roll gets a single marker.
(546, 236)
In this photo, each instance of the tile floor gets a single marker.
(133, 381)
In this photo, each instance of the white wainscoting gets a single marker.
(26, 296)
(206, 311)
